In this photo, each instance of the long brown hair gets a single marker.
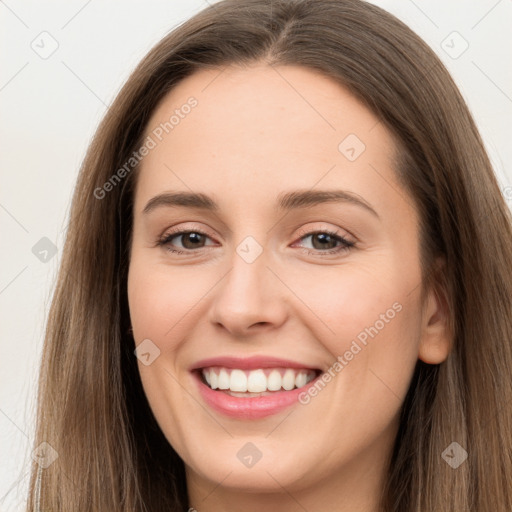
(112, 456)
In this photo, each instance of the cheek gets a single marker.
(160, 304)
(161, 301)
(369, 323)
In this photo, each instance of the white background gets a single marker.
(51, 107)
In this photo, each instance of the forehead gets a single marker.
(260, 129)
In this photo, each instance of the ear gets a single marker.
(437, 334)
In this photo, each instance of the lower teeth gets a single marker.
(246, 393)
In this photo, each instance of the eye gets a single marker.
(323, 241)
(327, 242)
(190, 240)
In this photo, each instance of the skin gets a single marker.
(258, 132)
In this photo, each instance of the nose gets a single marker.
(250, 298)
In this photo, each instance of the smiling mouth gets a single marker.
(255, 383)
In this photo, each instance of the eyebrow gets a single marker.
(287, 201)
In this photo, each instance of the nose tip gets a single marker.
(249, 297)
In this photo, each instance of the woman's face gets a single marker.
(300, 260)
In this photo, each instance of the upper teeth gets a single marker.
(257, 381)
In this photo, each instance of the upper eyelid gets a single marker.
(302, 232)
(306, 232)
(182, 231)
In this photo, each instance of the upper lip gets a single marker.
(250, 363)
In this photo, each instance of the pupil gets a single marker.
(324, 238)
(193, 237)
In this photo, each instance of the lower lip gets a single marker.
(249, 408)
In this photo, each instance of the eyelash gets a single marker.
(346, 245)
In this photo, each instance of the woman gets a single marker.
(285, 282)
